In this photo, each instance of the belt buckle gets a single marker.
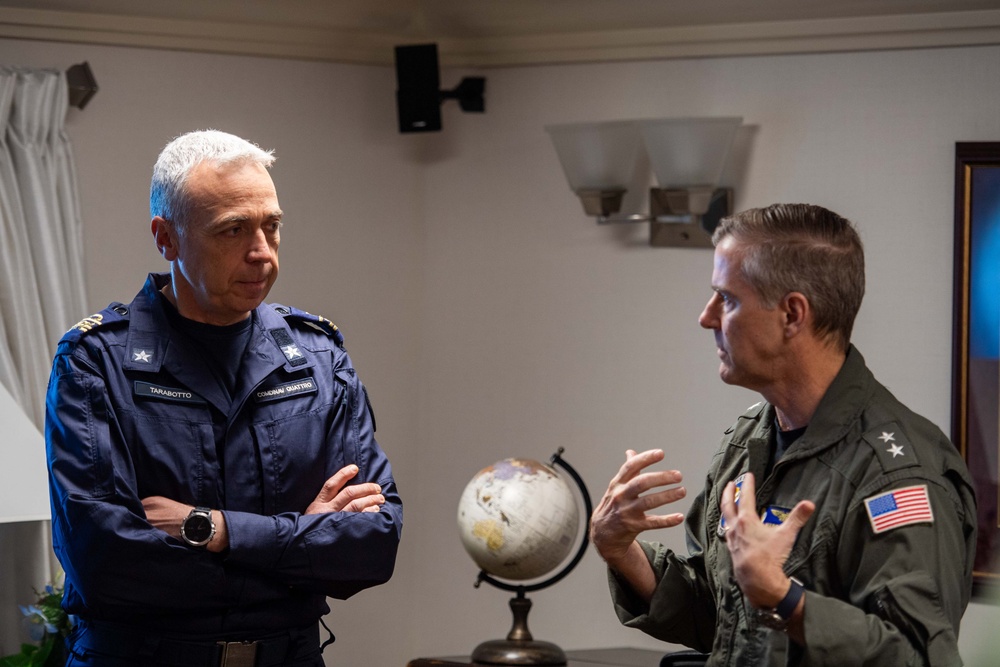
(238, 654)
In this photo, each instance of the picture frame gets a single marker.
(976, 343)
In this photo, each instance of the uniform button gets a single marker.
(121, 310)
(281, 310)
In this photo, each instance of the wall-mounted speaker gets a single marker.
(418, 89)
(418, 98)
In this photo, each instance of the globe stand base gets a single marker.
(522, 652)
(520, 648)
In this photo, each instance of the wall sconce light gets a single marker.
(687, 156)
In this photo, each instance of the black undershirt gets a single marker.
(221, 347)
(783, 440)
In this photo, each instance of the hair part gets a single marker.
(168, 195)
(802, 248)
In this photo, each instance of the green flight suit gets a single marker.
(895, 597)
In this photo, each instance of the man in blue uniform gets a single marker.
(213, 467)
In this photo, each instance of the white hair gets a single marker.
(168, 196)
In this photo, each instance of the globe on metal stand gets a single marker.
(520, 648)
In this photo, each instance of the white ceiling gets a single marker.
(484, 33)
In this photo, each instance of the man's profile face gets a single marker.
(748, 335)
(226, 257)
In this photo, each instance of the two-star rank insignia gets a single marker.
(891, 447)
(895, 448)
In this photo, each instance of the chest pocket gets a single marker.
(171, 439)
(298, 430)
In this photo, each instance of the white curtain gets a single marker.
(42, 293)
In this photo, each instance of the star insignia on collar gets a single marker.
(291, 352)
(896, 450)
(141, 355)
(887, 437)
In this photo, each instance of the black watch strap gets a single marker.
(787, 606)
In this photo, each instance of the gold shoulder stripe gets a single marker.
(88, 323)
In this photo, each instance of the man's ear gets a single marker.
(798, 313)
(165, 237)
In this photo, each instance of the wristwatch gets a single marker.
(198, 529)
(777, 618)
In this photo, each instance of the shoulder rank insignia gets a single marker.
(88, 323)
(317, 322)
(892, 448)
(899, 507)
(116, 312)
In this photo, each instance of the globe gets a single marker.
(518, 519)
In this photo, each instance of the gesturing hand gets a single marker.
(336, 496)
(759, 552)
(623, 512)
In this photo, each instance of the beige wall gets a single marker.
(490, 318)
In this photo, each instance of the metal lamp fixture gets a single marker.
(687, 156)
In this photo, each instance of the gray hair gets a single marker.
(807, 249)
(168, 195)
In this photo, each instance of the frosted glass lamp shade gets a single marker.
(688, 152)
(596, 156)
(24, 479)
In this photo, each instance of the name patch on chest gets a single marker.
(306, 386)
(175, 394)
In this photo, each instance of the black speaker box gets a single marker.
(418, 98)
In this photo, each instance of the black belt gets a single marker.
(271, 650)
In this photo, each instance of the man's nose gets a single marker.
(709, 316)
(259, 249)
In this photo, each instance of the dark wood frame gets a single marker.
(976, 377)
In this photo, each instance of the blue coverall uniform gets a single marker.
(133, 411)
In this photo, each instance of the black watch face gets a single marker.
(197, 528)
(769, 619)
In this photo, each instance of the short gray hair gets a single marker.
(807, 249)
(168, 196)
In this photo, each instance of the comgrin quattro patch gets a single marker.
(306, 386)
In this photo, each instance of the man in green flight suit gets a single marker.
(836, 526)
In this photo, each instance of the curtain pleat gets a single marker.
(42, 293)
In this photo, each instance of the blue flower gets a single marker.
(35, 623)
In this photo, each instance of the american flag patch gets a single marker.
(900, 507)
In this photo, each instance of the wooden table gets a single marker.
(601, 657)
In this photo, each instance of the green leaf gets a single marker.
(39, 659)
(22, 659)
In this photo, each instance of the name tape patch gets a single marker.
(307, 386)
(168, 393)
(899, 507)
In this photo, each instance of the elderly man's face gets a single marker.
(226, 257)
(749, 336)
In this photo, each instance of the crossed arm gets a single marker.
(335, 496)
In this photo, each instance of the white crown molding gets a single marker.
(970, 28)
